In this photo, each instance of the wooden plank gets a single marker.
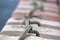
(42, 15)
(51, 1)
(43, 23)
(11, 33)
(50, 36)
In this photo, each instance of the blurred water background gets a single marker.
(6, 9)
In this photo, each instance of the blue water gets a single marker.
(6, 9)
